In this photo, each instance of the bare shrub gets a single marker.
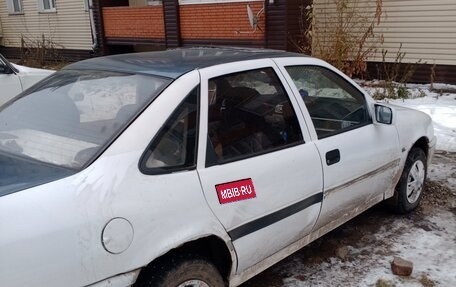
(39, 52)
(341, 32)
(394, 76)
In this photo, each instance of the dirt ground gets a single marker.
(358, 253)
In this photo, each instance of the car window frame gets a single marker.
(349, 86)
(218, 70)
(285, 62)
(232, 68)
(114, 136)
(161, 132)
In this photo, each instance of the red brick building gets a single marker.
(138, 25)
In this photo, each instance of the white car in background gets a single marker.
(193, 167)
(15, 78)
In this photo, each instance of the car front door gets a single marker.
(9, 82)
(260, 176)
(360, 157)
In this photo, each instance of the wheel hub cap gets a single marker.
(193, 283)
(415, 181)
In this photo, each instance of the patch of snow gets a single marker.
(444, 173)
(432, 252)
(441, 108)
(28, 70)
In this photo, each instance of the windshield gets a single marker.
(68, 118)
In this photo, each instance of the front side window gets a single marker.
(14, 6)
(249, 114)
(68, 118)
(174, 148)
(333, 104)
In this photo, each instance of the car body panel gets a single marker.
(54, 234)
(19, 79)
(362, 172)
(11, 86)
(30, 76)
(278, 178)
(66, 230)
(409, 136)
(176, 62)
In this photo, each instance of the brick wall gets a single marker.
(220, 21)
(134, 22)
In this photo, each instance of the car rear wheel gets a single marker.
(186, 271)
(409, 190)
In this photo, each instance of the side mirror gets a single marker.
(383, 114)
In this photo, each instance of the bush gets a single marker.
(39, 52)
(394, 76)
(345, 37)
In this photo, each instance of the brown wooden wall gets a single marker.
(172, 23)
(283, 28)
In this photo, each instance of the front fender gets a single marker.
(413, 125)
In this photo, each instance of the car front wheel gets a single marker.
(410, 187)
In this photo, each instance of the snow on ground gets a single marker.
(360, 252)
(432, 249)
(431, 246)
(440, 106)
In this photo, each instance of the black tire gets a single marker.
(402, 202)
(176, 271)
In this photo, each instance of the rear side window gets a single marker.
(70, 117)
(174, 148)
(249, 114)
(333, 103)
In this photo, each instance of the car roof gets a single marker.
(176, 62)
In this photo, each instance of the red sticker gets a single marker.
(235, 191)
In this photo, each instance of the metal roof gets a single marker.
(174, 63)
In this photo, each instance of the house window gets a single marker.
(14, 6)
(46, 5)
(154, 2)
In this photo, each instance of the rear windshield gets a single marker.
(68, 118)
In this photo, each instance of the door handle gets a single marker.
(332, 157)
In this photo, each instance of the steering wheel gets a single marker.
(354, 116)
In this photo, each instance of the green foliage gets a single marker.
(383, 283)
(402, 92)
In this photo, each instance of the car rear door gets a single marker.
(260, 176)
(360, 157)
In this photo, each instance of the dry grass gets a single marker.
(426, 282)
(383, 283)
(41, 52)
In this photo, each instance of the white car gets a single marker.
(193, 167)
(15, 78)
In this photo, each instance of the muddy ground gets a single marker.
(358, 253)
